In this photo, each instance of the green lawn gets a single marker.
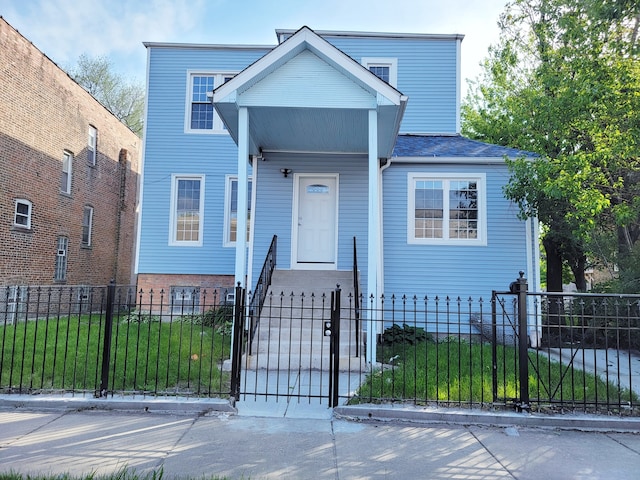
(65, 354)
(456, 371)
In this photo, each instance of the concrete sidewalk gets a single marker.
(249, 446)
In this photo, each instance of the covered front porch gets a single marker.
(314, 125)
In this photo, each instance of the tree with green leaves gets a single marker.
(122, 98)
(564, 83)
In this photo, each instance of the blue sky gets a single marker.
(65, 29)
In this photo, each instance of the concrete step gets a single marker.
(270, 362)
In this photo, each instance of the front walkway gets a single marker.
(295, 394)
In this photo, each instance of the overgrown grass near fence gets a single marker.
(457, 372)
(183, 356)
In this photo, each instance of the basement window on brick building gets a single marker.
(87, 223)
(22, 216)
(65, 182)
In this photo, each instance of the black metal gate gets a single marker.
(295, 347)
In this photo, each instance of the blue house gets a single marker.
(324, 137)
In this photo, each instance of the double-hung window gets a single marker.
(92, 145)
(22, 214)
(200, 114)
(447, 209)
(87, 225)
(187, 210)
(231, 211)
(65, 181)
(382, 67)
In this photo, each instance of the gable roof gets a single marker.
(277, 113)
(447, 146)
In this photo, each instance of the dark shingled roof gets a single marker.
(451, 146)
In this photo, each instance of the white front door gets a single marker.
(315, 221)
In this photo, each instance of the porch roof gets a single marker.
(452, 146)
(306, 95)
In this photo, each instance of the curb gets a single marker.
(129, 405)
(585, 422)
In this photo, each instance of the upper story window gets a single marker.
(447, 209)
(200, 114)
(231, 211)
(187, 210)
(87, 225)
(22, 214)
(384, 68)
(92, 145)
(67, 164)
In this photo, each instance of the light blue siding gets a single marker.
(430, 270)
(274, 204)
(426, 74)
(168, 150)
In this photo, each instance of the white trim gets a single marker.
(295, 265)
(390, 62)
(175, 177)
(306, 38)
(92, 145)
(143, 152)
(218, 79)
(67, 156)
(458, 84)
(228, 179)
(28, 215)
(254, 171)
(481, 178)
(88, 208)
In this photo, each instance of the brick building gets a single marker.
(69, 173)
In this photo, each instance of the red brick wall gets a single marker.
(212, 288)
(44, 112)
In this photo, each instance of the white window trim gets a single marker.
(481, 178)
(390, 62)
(29, 213)
(227, 211)
(89, 239)
(67, 155)
(92, 145)
(218, 125)
(173, 209)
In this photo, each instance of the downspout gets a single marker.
(122, 190)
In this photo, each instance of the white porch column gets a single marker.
(373, 248)
(243, 179)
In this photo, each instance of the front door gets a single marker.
(315, 229)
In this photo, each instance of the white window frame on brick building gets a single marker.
(92, 145)
(67, 167)
(22, 214)
(87, 225)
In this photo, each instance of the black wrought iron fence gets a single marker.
(527, 350)
(107, 340)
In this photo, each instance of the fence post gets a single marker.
(334, 348)
(106, 346)
(494, 346)
(523, 342)
(236, 347)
